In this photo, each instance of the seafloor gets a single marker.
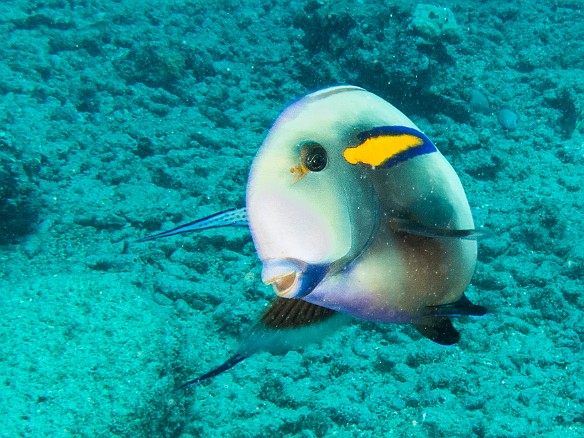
(125, 117)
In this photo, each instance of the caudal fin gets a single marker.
(287, 324)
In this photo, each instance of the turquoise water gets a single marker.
(122, 118)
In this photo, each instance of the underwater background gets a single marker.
(126, 117)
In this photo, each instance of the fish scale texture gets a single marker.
(123, 118)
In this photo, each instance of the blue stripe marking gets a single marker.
(426, 147)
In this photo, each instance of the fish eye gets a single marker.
(314, 157)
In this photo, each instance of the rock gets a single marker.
(435, 25)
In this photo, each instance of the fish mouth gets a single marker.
(292, 278)
(284, 285)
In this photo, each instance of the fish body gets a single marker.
(339, 219)
(353, 212)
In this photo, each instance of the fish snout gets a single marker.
(292, 278)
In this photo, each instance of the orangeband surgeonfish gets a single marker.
(353, 211)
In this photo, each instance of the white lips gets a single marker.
(284, 275)
(285, 284)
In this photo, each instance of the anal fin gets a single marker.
(438, 329)
(293, 313)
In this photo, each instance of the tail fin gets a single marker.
(288, 324)
(230, 218)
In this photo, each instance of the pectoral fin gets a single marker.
(459, 308)
(411, 227)
(436, 324)
(287, 324)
